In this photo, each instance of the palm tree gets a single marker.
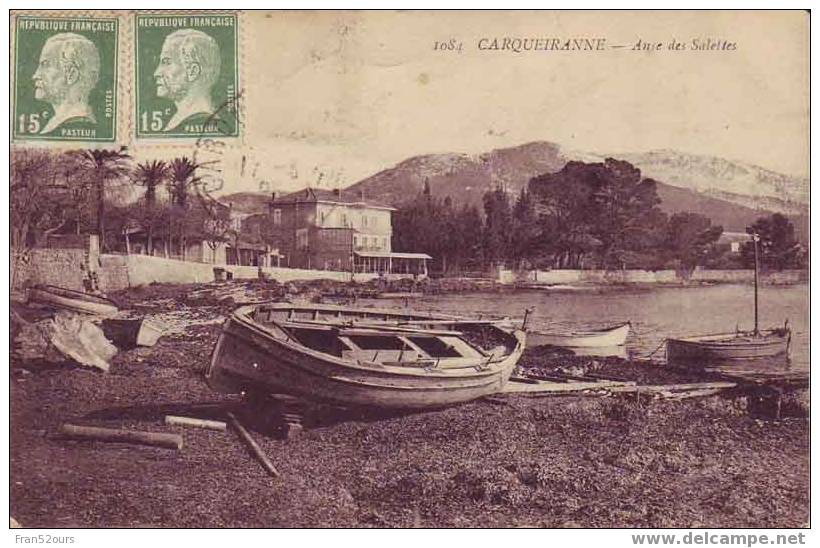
(103, 166)
(182, 173)
(151, 175)
(182, 176)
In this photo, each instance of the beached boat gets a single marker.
(729, 346)
(757, 347)
(75, 301)
(132, 332)
(608, 337)
(362, 357)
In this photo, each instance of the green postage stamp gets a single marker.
(187, 75)
(65, 86)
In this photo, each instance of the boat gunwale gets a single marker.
(425, 316)
(769, 338)
(588, 333)
(488, 367)
(67, 293)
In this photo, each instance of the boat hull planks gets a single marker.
(253, 357)
(770, 348)
(75, 301)
(605, 338)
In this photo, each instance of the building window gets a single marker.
(277, 217)
(344, 219)
(302, 238)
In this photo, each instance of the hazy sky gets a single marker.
(348, 94)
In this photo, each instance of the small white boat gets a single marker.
(128, 332)
(594, 338)
(75, 301)
(150, 332)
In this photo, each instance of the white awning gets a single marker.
(386, 255)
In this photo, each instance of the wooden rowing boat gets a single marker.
(75, 301)
(752, 348)
(729, 348)
(608, 337)
(362, 357)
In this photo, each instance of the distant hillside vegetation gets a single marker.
(731, 194)
(247, 202)
(466, 178)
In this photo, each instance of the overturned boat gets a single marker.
(608, 337)
(362, 357)
(74, 301)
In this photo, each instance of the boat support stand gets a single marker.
(282, 413)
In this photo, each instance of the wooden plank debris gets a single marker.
(659, 388)
(196, 423)
(691, 393)
(253, 446)
(547, 377)
(786, 379)
(169, 441)
(606, 377)
(672, 391)
(546, 388)
(527, 379)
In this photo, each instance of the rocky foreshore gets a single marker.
(603, 461)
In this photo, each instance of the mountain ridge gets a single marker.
(686, 182)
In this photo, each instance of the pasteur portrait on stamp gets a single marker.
(186, 70)
(65, 79)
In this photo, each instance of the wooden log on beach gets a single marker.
(170, 441)
(543, 377)
(527, 379)
(254, 447)
(691, 394)
(607, 377)
(196, 423)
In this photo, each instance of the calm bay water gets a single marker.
(655, 313)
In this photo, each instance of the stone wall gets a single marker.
(603, 276)
(112, 273)
(286, 274)
(145, 270)
(67, 268)
(68, 261)
(748, 276)
(121, 271)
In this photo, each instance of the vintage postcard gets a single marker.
(411, 269)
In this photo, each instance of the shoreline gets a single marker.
(434, 286)
(588, 461)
